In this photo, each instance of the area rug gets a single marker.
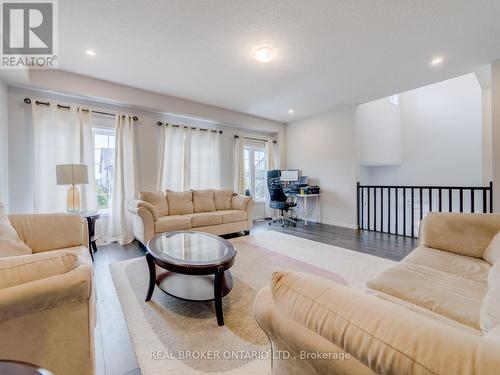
(174, 336)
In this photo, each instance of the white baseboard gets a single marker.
(338, 224)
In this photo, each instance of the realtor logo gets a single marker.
(29, 34)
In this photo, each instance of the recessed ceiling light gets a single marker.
(437, 61)
(90, 52)
(290, 111)
(264, 54)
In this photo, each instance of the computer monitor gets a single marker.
(290, 175)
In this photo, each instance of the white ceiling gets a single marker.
(332, 52)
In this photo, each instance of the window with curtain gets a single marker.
(104, 164)
(255, 171)
(189, 159)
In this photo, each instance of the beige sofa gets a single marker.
(435, 312)
(212, 211)
(47, 305)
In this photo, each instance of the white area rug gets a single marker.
(166, 330)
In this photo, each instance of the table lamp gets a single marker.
(72, 174)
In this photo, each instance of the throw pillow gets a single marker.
(157, 199)
(492, 252)
(222, 199)
(10, 243)
(203, 201)
(180, 202)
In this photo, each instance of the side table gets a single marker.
(91, 218)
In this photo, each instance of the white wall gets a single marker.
(378, 133)
(441, 136)
(21, 143)
(4, 166)
(495, 135)
(323, 147)
(486, 151)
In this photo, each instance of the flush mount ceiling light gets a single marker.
(90, 52)
(437, 61)
(290, 111)
(264, 54)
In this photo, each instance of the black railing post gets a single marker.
(404, 211)
(491, 197)
(357, 204)
(389, 210)
(412, 212)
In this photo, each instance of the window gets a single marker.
(104, 165)
(255, 172)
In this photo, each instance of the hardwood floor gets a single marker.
(114, 351)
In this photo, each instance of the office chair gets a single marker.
(279, 199)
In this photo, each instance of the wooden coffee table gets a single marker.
(197, 266)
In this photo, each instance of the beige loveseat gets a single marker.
(47, 307)
(212, 211)
(435, 312)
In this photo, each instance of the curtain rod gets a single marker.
(28, 101)
(253, 139)
(159, 123)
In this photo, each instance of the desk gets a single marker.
(306, 197)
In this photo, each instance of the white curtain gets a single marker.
(60, 136)
(172, 174)
(204, 159)
(189, 159)
(124, 182)
(239, 166)
(269, 166)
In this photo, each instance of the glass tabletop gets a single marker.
(191, 248)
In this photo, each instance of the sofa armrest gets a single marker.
(134, 206)
(464, 234)
(386, 337)
(43, 294)
(44, 232)
(240, 202)
(249, 210)
(143, 220)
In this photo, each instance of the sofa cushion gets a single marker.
(44, 232)
(384, 336)
(492, 252)
(25, 268)
(172, 222)
(158, 200)
(180, 202)
(459, 233)
(10, 243)
(459, 265)
(239, 202)
(452, 296)
(202, 219)
(232, 216)
(223, 199)
(490, 307)
(203, 201)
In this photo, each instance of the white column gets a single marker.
(495, 133)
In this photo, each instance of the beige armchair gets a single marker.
(435, 312)
(47, 304)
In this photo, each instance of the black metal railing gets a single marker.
(399, 209)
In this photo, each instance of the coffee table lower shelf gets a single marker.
(195, 288)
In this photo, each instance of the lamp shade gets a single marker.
(72, 174)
